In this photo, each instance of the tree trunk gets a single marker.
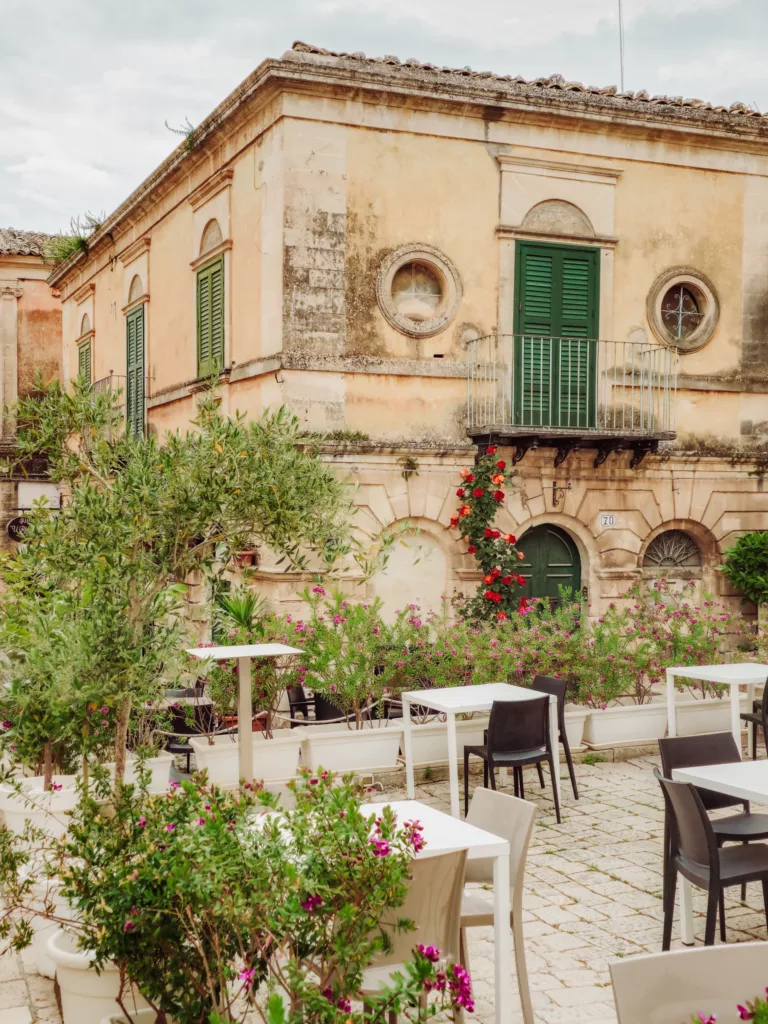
(48, 766)
(762, 619)
(121, 740)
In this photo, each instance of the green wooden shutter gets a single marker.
(556, 305)
(84, 361)
(134, 331)
(210, 318)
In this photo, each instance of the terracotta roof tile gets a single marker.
(532, 87)
(21, 243)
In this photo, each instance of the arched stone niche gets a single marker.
(558, 217)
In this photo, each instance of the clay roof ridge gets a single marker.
(554, 82)
(14, 242)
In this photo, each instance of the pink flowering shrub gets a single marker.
(209, 906)
(756, 1011)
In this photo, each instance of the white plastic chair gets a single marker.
(512, 819)
(433, 903)
(668, 988)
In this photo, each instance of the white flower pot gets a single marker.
(47, 896)
(46, 810)
(159, 768)
(430, 741)
(350, 750)
(575, 723)
(86, 997)
(274, 759)
(695, 716)
(625, 726)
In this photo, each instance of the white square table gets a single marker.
(456, 700)
(444, 834)
(746, 674)
(745, 780)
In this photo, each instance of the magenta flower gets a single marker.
(128, 926)
(311, 903)
(318, 590)
(246, 976)
(56, 786)
(744, 1013)
(170, 827)
(6, 725)
(432, 953)
(142, 822)
(201, 821)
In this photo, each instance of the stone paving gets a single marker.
(593, 894)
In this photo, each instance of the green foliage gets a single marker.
(213, 911)
(344, 644)
(106, 575)
(60, 247)
(496, 554)
(746, 566)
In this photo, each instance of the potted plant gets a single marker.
(215, 913)
(343, 643)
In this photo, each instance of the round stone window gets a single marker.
(418, 290)
(683, 309)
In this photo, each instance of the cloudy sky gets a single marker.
(87, 85)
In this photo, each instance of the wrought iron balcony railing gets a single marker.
(538, 386)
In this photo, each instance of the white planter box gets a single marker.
(159, 768)
(625, 726)
(430, 741)
(350, 750)
(575, 723)
(705, 715)
(86, 997)
(48, 811)
(274, 759)
(147, 1016)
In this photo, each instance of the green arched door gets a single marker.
(551, 561)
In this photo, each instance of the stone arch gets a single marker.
(420, 569)
(85, 325)
(211, 237)
(704, 575)
(586, 545)
(558, 217)
(136, 290)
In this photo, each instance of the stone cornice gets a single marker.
(556, 169)
(132, 253)
(603, 241)
(84, 292)
(217, 182)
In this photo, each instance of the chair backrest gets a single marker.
(692, 835)
(765, 700)
(692, 751)
(518, 725)
(325, 711)
(557, 688)
(668, 988)
(504, 816)
(433, 903)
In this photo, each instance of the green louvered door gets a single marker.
(210, 319)
(84, 361)
(556, 308)
(134, 328)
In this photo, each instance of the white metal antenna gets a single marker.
(621, 45)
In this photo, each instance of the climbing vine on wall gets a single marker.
(481, 497)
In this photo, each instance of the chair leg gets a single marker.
(569, 762)
(522, 970)
(721, 909)
(765, 899)
(492, 774)
(485, 773)
(466, 782)
(667, 853)
(670, 886)
(554, 787)
(744, 884)
(516, 782)
(541, 775)
(522, 786)
(713, 900)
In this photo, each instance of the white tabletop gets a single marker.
(745, 780)
(470, 698)
(242, 651)
(443, 833)
(745, 674)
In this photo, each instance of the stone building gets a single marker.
(30, 342)
(417, 260)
